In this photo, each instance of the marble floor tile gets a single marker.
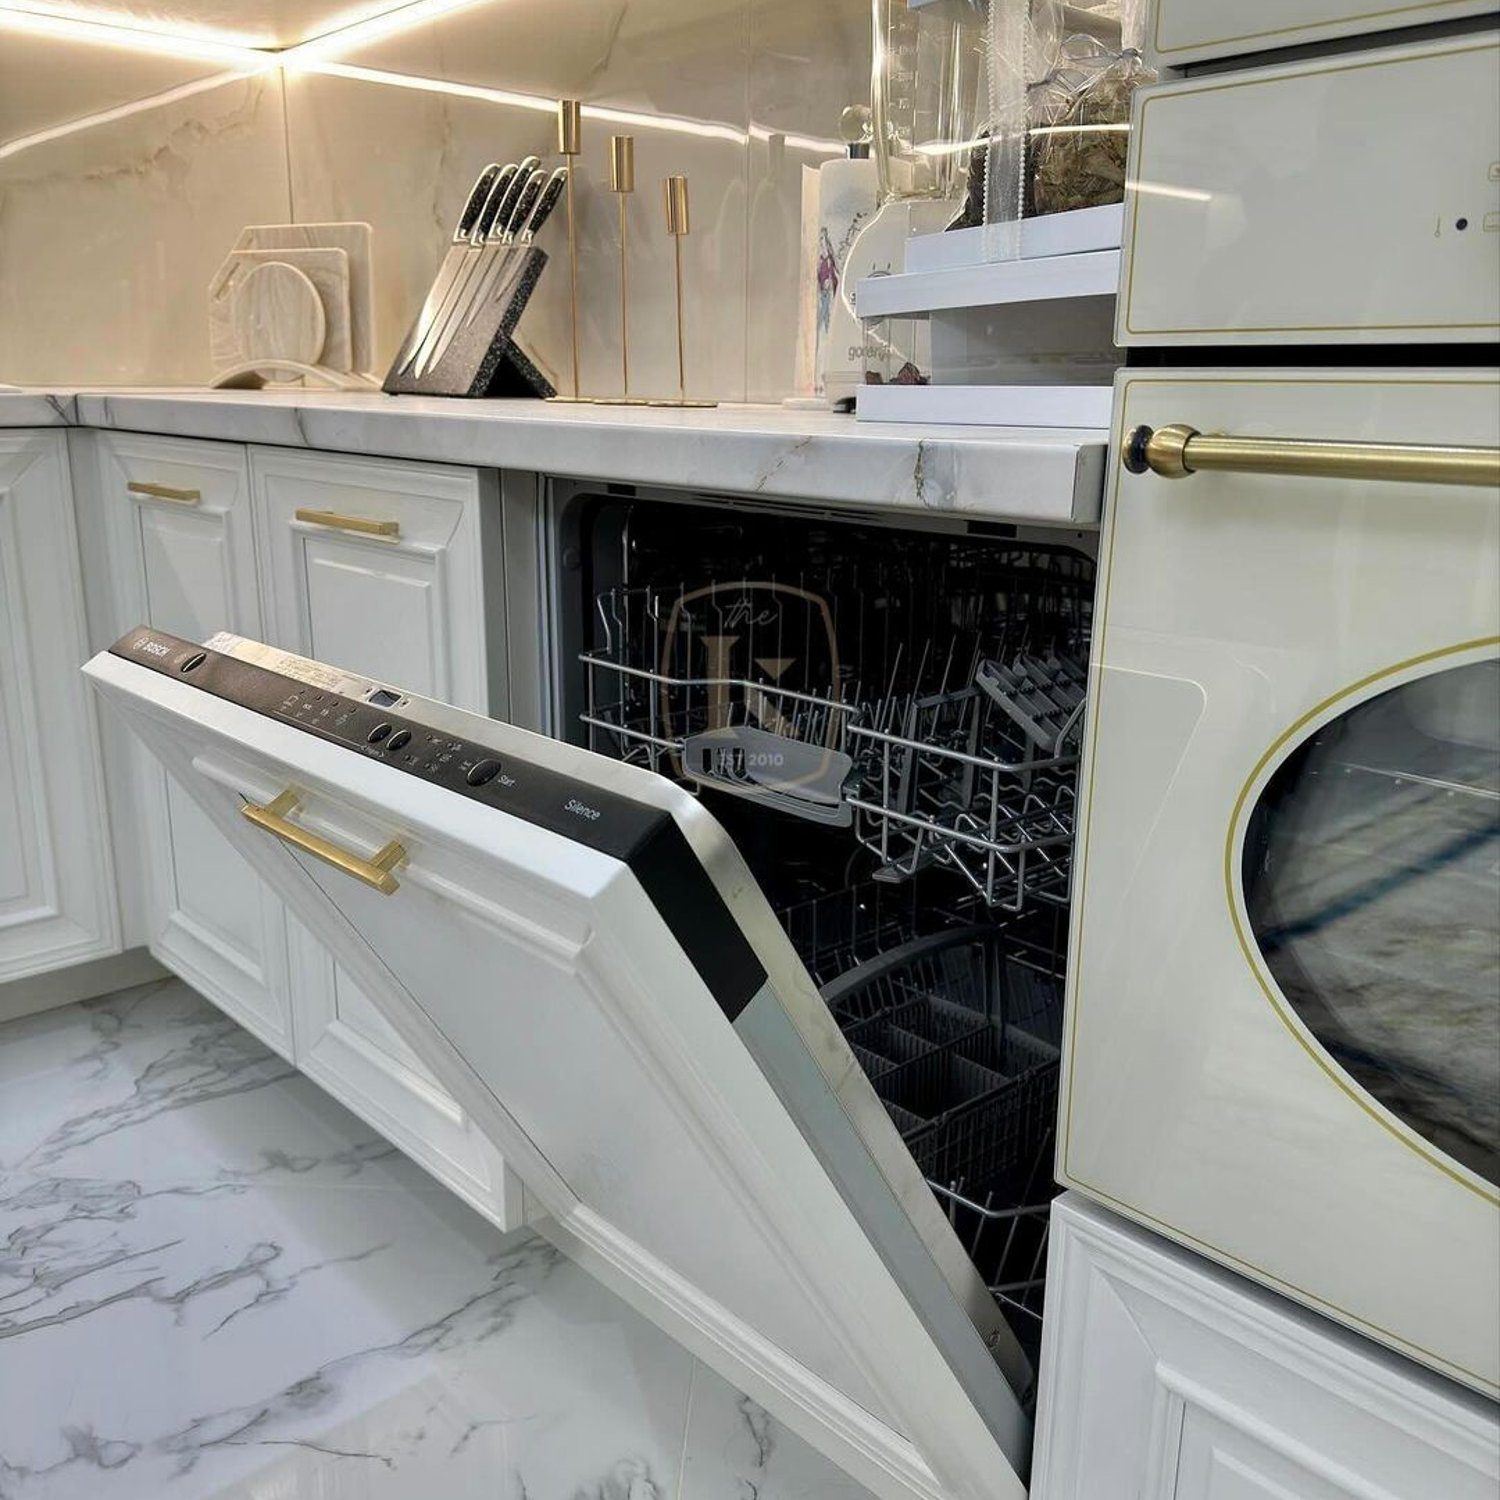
(735, 1450)
(215, 1281)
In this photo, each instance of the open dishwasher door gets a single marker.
(578, 952)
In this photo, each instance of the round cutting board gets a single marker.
(278, 313)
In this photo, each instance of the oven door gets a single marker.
(1283, 1042)
(578, 953)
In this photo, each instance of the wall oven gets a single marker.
(755, 966)
(1283, 1041)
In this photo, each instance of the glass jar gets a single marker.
(929, 68)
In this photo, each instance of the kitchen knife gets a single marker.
(500, 192)
(545, 202)
(492, 221)
(452, 261)
(501, 237)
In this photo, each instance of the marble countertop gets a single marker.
(215, 1281)
(1045, 474)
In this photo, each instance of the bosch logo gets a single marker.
(152, 648)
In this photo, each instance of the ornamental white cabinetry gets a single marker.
(378, 566)
(171, 521)
(1185, 31)
(1165, 1378)
(57, 898)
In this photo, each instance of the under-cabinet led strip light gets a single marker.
(190, 46)
(316, 55)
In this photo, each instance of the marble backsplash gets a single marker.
(111, 230)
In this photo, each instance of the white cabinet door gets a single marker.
(377, 566)
(179, 555)
(1164, 1378)
(57, 903)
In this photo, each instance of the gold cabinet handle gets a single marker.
(1176, 451)
(164, 492)
(273, 817)
(361, 524)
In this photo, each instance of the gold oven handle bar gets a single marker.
(361, 524)
(376, 872)
(1176, 451)
(164, 492)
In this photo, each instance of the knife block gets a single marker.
(483, 358)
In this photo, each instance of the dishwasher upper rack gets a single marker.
(925, 778)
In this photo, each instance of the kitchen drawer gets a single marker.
(1165, 1378)
(378, 566)
(1354, 200)
(1189, 30)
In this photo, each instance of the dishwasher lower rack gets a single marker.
(974, 779)
(959, 1032)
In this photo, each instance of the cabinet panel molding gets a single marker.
(1169, 1378)
(57, 898)
(189, 569)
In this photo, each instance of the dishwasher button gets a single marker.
(397, 740)
(193, 662)
(482, 771)
(378, 733)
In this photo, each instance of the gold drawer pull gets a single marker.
(164, 492)
(1177, 450)
(361, 524)
(373, 872)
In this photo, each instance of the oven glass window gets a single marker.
(1372, 880)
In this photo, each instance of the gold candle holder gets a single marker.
(675, 199)
(570, 145)
(622, 184)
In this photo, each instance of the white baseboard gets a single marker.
(100, 976)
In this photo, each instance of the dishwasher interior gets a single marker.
(887, 722)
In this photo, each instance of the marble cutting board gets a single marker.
(255, 313)
(354, 240)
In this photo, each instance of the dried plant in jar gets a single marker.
(1080, 135)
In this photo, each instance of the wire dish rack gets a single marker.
(959, 1032)
(950, 740)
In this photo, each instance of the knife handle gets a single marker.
(525, 204)
(477, 194)
(526, 166)
(545, 203)
(490, 211)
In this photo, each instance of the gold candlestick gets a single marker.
(675, 197)
(622, 184)
(570, 145)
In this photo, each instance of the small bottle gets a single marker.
(847, 197)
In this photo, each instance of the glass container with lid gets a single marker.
(928, 81)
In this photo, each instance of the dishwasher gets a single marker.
(753, 967)
(886, 721)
